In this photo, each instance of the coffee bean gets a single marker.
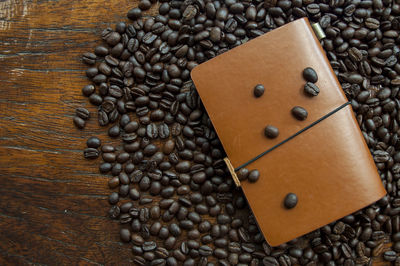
(149, 246)
(258, 90)
(90, 153)
(101, 50)
(114, 131)
(82, 113)
(311, 89)
(290, 201)
(389, 255)
(310, 75)
(270, 261)
(103, 118)
(243, 173)
(134, 13)
(205, 251)
(152, 131)
(109, 157)
(253, 175)
(144, 4)
(125, 235)
(271, 132)
(107, 148)
(105, 167)
(355, 54)
(372, 23)
(220, 253)
(189, 13)
(113, 198)
(299, 113)
(89, 58)
(113, 182)
(93, 142)
(114, 212)
(79, 122)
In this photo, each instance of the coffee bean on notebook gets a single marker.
(259, 90)
(290, 201)
(254, 175)
(299, 113)
(311, 89)
(243, 173)
(271, 132)
(310, 75)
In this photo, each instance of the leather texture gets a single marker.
(329, 166)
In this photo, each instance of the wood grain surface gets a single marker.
(53, 203)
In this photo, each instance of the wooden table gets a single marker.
(53, 203)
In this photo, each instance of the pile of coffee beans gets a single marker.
(172, 194)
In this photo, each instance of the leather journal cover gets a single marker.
(329, 166)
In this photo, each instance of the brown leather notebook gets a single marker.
(328, 166)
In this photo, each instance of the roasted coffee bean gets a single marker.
(88, 90)
(79, 122)
(103, 118)
(220, 253)
(89, 58)
(152, 131)
(144, 5)
(113, 182)
(396, 247)
(114, 131)
(149, 246)
(107, 148)
(101, 50)
(299, 113)
(311, 89)
(205, 251)
(114, 212)
(254, 175)
(243, 173)
(109, 157)
(90, 153)
(290, 201)
(82, 113)
(258, 90)
(92, 72)
(271, 132)
(93, 142)
(346, 250)
(134, 13)
(389, 255)
(310, 75)
(113, 198)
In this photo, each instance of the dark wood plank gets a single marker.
(53, 204)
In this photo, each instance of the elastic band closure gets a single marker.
(292, 136)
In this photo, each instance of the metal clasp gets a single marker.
(232, 171)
